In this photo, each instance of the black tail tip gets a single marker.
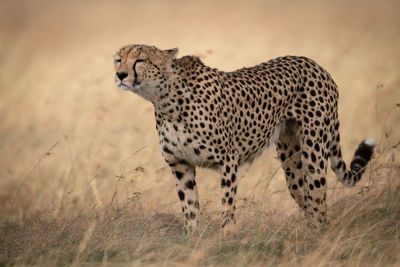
(365, 149)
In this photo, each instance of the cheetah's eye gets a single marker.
(118, 60)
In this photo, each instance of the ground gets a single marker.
(82, 179)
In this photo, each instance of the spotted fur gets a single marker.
(210, 118)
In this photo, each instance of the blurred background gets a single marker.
(70, 141)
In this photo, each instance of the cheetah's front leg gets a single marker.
(187, 192)
(228, 172)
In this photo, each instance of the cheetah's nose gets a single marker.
(121, 75)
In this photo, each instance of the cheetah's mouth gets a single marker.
(136, 83)
(124, 86)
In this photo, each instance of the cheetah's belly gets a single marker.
(247, 154)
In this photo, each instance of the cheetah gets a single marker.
(215, 119)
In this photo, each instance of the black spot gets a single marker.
(317, 184)
(230, 200)
(299, 165)
(311, 168)
(228, 169)
(181, 195)
(322, 164)
(223, 182)
(323, 181)
(233, 177)
(189, 184)
(339, 165)
(166, 150)
(197, 151)
(179, 175)
(313, 157)
(316, 147)
(309, 143)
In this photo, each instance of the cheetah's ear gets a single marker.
(172, 52)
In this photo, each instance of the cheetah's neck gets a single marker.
(181, 86)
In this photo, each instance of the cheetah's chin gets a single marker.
(124, 86)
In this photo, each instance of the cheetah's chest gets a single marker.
(177, 142)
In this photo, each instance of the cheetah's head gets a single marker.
(143, 69)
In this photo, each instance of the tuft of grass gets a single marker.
(363, 229)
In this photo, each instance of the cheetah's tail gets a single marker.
(360, 160)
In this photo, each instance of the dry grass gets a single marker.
(82, 180)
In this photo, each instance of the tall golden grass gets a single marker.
(82, 180)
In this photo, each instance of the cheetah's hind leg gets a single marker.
(289, 153)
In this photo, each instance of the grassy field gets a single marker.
(82, 180)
